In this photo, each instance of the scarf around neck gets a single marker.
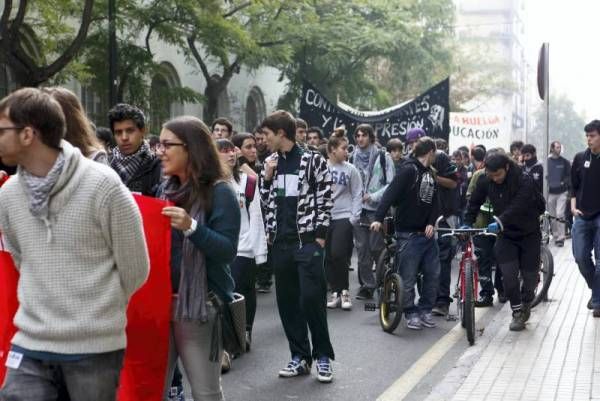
(193, 282)
(127, 166)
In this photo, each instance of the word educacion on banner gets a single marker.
(470, 129)
(428, 111)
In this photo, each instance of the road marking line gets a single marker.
(405, 384)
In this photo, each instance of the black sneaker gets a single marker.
(484, 302)
(440, 310)
(364, 293)
(296, 367)
(518, 321)
(502, 298)
(589, 304)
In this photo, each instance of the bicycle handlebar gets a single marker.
(451, 232)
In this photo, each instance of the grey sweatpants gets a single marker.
(189, 341)
(369, 245)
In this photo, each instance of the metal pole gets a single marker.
(547, 107)
(112, 54)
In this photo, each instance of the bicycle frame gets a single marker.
(467, 254)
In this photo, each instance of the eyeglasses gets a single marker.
(164, 145)
(2, 129)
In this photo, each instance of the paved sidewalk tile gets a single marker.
(556, 358)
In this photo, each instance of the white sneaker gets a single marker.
(334, 301)
(346, 303)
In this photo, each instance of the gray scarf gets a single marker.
(38, 189)
(127, 166)
(193, 283)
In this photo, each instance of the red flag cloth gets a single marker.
(8, 305)
(148, 313)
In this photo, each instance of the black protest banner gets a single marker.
(429, 111)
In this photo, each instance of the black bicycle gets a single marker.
(390, 290)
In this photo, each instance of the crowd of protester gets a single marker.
(284, 204)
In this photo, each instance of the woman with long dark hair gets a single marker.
(252, 245)
(206, 222)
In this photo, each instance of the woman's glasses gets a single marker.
(165, 145)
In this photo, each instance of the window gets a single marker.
(255, 109)
(163, 104)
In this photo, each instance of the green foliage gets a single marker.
(371, 54)
(566, 126)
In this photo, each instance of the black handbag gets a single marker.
(230, 325)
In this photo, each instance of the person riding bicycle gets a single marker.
(413, 192)
(518, 205)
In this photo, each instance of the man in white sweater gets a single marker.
(76, 237)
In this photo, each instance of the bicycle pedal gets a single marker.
(370, 306)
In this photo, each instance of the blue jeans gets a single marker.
(414, 253)
(586, 237)
(94, 378)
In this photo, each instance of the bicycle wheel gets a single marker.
(390, 307)
(468, 306)
(545, 278)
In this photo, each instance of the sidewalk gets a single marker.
(557, 357)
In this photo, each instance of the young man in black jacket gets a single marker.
(585, 206)
(518, 205)
(296, 192)
(413, 192)
(532, 167)
(132, 159)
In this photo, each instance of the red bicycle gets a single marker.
(468, 276)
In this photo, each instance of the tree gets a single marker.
(56, 35)
(566, 126)
(478, 75)
(220, 38)
(137, 68)
(373, 54)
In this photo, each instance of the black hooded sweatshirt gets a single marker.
(514, 202)
(414, 193)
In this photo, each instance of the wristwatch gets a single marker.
(192, 228)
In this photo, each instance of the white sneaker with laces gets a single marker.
(335, 301)
(346, 303)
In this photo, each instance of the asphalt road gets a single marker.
(368, 360)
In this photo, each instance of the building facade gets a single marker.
(499, 25)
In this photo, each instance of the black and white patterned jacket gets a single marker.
(314, 197)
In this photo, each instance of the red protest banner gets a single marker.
(148, 313)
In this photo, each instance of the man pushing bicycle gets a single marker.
(518, 205)
(413, 192)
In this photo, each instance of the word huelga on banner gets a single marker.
(148, 313)
(429, 111)
(470, 129)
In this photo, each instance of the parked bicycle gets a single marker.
(468, 276)
(390, 288)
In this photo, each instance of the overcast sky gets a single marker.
(572, 27)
